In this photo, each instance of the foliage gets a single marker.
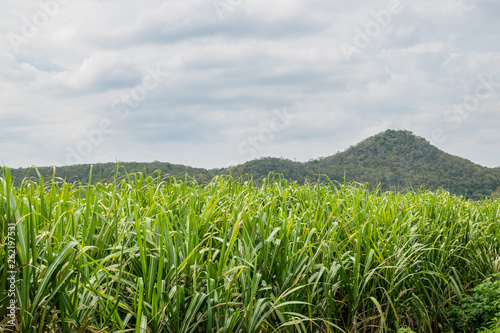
(405, 330)
(479, 309)
(494, 327)
(107, 172)
(490, 330)
(391, 161)
(156, 254)
(399, 160)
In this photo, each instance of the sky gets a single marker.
(214, 83)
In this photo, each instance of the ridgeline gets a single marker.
(392, 160)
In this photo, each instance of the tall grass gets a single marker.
(152, 255)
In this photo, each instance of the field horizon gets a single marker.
(395, 160)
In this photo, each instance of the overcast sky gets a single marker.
(214, 83)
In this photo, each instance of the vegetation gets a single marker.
(106, 172)
(399, 160)
(153, 254)
(479, 309)
(391, 161)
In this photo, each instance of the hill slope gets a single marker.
(393, 160)
(397, 160)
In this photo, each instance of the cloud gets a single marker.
(98, 73)
(227, 75)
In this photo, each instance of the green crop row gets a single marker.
(147, 254)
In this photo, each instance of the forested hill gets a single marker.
(397, 160)
(108, 172)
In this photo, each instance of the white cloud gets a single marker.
(99, 72)
(227, 76)
(444, 9)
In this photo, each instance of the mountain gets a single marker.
(399, 160)
(392, 160)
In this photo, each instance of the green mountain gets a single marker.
(392, 160)
(399, 160)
